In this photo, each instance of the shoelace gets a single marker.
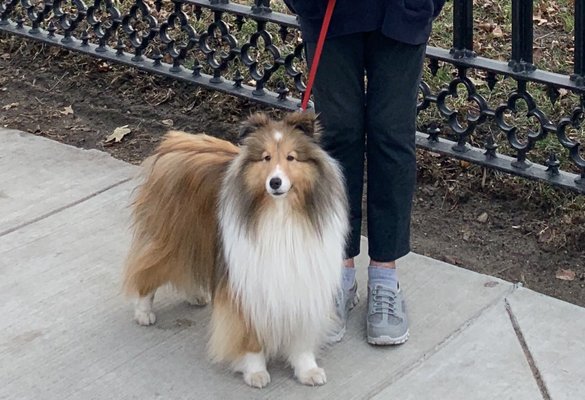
(384, 301)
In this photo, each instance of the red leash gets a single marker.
(318, 51)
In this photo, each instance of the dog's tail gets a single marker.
(175, 218)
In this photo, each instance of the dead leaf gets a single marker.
(67, 110)
(11, 105)
(167, 122)
(491, 284)
(486, 26)
(565, 274)
(546, 235)
(451, 260)
(497, 32)
(539, 20)
(464, 164)
(483, 218)
(5, 56)
(103, 66)
(118, 134)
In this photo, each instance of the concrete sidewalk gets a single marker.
(67, 333)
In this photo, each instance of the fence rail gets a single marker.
(197, 41)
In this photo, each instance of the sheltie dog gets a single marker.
(258, 229)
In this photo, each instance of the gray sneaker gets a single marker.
(386, 322)
(344, 302)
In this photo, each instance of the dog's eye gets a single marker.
(267, 157)
(290, 158)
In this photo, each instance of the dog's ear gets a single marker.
(305, 121)
(252, 124)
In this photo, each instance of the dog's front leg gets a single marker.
(306, 369)
(235, 340)
(253, 367)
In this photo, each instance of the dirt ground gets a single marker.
(475, 219)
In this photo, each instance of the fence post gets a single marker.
(522, 36)
(462, 29)
(579, 75)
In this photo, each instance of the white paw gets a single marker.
(257, 379)
(144, 318)
(313, 377)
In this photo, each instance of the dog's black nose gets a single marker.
(275, 183)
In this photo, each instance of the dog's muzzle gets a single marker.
(278, 184)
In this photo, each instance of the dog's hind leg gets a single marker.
(142, 286)
(143, 313)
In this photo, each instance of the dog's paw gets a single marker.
(144, 318)
(199, 300)
(257, 379)
(313, 377)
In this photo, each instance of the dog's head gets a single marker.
(282, 158)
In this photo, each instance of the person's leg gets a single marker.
(393, 71)
(340, 101)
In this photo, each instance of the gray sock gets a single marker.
(348, 278)
(383, 276)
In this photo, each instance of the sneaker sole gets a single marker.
(387, 340)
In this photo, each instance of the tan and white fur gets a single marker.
(260, 229)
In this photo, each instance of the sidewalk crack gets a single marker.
(527, 354)
(66, 206)
(439, 346)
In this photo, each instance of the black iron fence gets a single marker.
(255, 53)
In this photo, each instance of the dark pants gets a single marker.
(384, 112)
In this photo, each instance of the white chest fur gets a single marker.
(286, 276)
